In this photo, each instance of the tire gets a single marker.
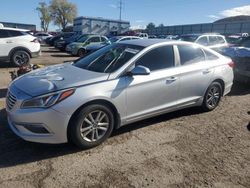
(212, 97)
(20, 57)
(82, 131)
(81, 52)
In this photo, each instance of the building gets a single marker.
(19, 25)
(226, 26)
(100, 26)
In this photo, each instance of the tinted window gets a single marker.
(159, 58)
(213, 40)
(15, 33)
(94, 39)
(103, 39)
(190, 54)
(210, 56)
(202, 41)
(3, 33)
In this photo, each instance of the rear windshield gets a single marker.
(109, 58)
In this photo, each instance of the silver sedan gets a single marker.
(125, 82)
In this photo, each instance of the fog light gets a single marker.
(35, 128)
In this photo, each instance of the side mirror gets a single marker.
(140, 70)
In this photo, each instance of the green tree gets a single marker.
(62, 12)
(150, 26)
(44, 14)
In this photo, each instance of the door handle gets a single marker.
(171, 79)
(206, 71)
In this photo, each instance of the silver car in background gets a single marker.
(119, 84)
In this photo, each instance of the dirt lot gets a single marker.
(187, 148)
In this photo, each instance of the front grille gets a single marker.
(10, 101)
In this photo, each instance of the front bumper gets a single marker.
(55, 123)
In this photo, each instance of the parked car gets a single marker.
(119, 84)
(213, 41)
(234, 40)
(18, 46)
(62, 43)
(53, 40)
(142, 35)
(123, 38)
(241, 56)
(42, 36)
(78, 48)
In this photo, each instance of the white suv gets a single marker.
(17, 45)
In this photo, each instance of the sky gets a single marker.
(138, 12)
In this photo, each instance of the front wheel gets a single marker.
(92, 126)
(212, 96)
(81, 52)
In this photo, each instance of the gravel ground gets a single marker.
(187, 148)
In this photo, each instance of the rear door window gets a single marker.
(158, 58)
(15, 33)
(220, 40)
(213, 40)
(190, 54)
(4, 33)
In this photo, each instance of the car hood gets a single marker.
(57, 77)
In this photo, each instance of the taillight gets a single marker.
(231, 64)
(35, 40)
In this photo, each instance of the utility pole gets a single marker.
(120, 7)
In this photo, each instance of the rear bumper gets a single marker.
(36, 54)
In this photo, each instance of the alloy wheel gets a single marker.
(94, 126)
(213, 97)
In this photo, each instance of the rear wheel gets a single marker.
(212, 96)
(92, 126)
(20, 58)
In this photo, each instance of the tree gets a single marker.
(44, 15)
(62, 12)
(161, 25)
(151, 26)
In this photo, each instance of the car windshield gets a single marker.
(109, 58)
(82, 38)
(188, 38)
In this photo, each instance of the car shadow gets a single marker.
(240, 89)
(7, 64)
(15, 151)
(61, 55)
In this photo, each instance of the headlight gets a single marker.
(47, 100)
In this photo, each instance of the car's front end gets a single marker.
(41, 110)
(73, 48)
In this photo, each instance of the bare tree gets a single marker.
(62, 12)
(44, 15)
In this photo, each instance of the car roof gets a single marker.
(14, 29)
(146, 42)
(200, 34)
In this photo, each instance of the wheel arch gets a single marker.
(221, 81)
(96, 101)
(19, 48)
